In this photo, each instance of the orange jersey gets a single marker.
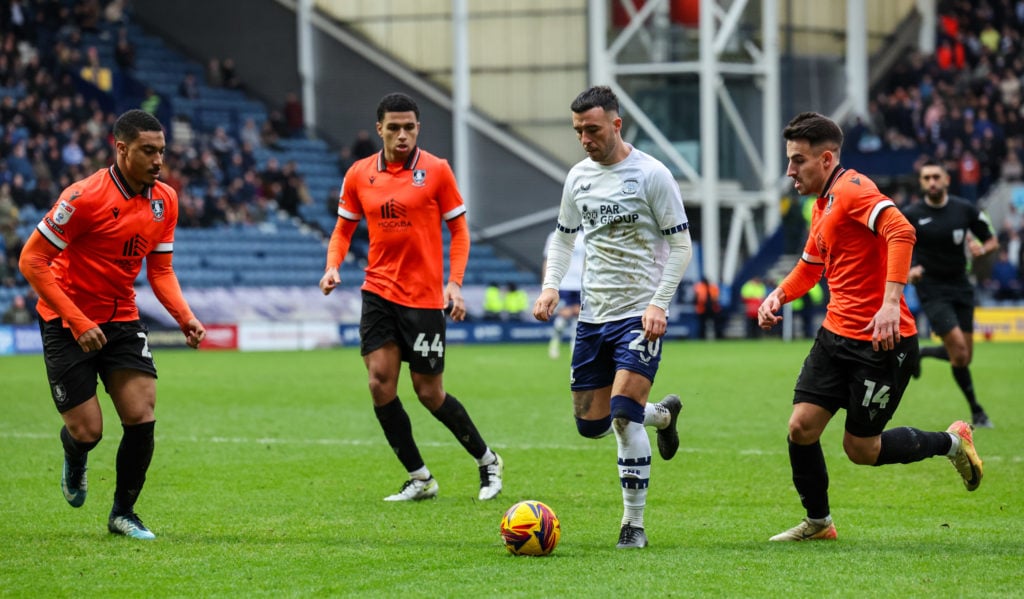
(404, 205)
(104, 229)
(845, 240)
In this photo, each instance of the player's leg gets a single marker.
(628, 398)
(71, 374)
(960, 347)
(423, 336)
(820, 390)
(876, 392)
(134, 395)
(379, 340)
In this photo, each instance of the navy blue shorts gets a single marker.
(603, 349)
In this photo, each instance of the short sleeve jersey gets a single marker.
(404, 206)
(941, 234)
(104, 229)
(844, 239)
(625, 212)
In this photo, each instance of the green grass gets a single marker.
(270, 469)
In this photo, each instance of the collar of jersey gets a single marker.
(839, 170)
(124, 188)
(410, 163)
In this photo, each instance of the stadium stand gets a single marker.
(256, 196)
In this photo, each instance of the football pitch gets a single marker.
(270, 468)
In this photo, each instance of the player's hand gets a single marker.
(885, 327)
(454, 302)
(977, 250)
(767, 316)
(195, 332)
(545, 305)
(92, 340)
(330, 280)
(915, 274)
(655, 322)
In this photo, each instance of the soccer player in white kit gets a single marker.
(636, 235)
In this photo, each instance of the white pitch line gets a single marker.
(368, 442)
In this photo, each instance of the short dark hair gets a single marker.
(816, 128)
(599, 96)
(396, 102)
(933, 162)
(128, 126)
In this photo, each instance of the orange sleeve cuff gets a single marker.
(800, 280)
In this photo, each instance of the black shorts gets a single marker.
(947, 306)
(840, 372)
(418, 332)
(72, 372)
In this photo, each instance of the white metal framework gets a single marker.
(719, 21)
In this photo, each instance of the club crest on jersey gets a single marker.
(419, 176)
(63, 213)
(630, 187)
(828, 205)
(157, 206)
(59, 393)
(958, 236)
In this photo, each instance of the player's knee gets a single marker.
(860, 453)
(87, 431)
(801, 433)
(594, 429)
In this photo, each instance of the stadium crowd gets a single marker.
(961, 105)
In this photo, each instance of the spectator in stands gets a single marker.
(214, 73)
(363, 145)
(1005, 282)
(229, 75)
(516, 302)
(293, 115)
(404, 291)
(494, 302)
(753, 293)
(708, 307)
(18, 313)
(189, 87)
(250, 134)
(151, 103)
(345, 160)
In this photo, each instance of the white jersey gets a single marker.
(625, 211)
(573, 279)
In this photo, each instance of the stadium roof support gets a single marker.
(719, 31)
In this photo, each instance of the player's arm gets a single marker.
(799, 281)
(556, 264)
(167, 289)
(655, 318)
(341, 240)
(984, 240)
(35, 266)
(458, 257)
(899, 236)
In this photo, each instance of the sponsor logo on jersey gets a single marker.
(63, 214)
(419, 177)
(157, 206)
(57, 228)
(608, 214)
(136, 246)
(392, 216)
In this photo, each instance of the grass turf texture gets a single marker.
(270, 468)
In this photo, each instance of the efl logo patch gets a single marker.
(63, 213)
